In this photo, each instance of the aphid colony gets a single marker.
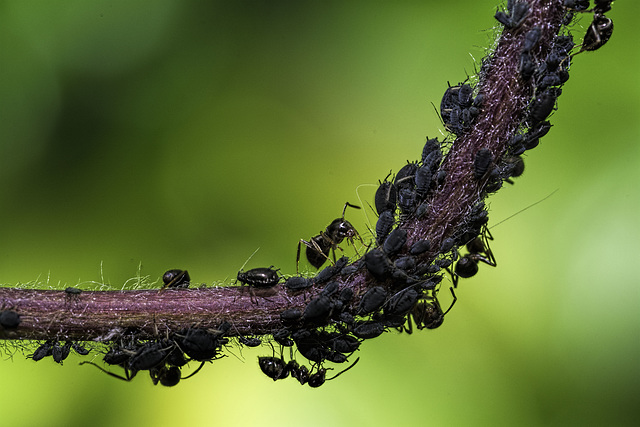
(406, 271)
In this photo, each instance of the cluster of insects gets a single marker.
(164, 359)
(335, 318)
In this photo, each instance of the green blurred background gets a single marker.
(159, 134)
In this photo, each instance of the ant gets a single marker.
(427, 313)
(479, 251)
(319, 246)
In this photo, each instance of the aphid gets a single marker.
(60, 352)
(199, 344)
(72, 291)
(297, 283)
(367, 330)
(598, 33)
(318, 248)
(405, 263)
(396, 240)
(458, 108)
(351, 269)
(527, 66)
(602, 6)
(434, 157)
(147, 356)
(423, 181)
(176, 278)
(377, 263)
(481, 163)
(405, 176)
(117, 356)
(384, 226)
(543, 104)
(420, 247)
(447, 244)
(311, 346)
(430, 147)
(250, 341)
(406, 200)
(465, 97)
(330, 289)
(281, 336)
(386, 197)
(259, 277)
(422, 209)
(290, 315)
(318, 308)
(79, 349)
(345, 344)
(372, 300)
(516, 13)
(402, 302)
(9, 319)
(326, 274)
(45, 349)
(532, 137)
(531, 39)
(576, 5)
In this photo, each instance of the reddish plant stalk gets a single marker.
(106, 315)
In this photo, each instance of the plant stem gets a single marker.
(106, 315)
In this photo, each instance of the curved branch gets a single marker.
(107, 315)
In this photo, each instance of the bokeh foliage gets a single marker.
(138, 137)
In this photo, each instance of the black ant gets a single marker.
(319, 247)
(427, 313)
(598, 33)
(600, 29)
(479, 251)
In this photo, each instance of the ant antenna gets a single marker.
(524, 209)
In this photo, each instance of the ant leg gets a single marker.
(194, 372)
(128, 376)
(455, 298)
(298, 258)
(344, 370)
(454, 277)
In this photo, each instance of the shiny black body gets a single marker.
(259, 277)
(319, 247)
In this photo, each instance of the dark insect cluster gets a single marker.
(517, 12)
(57, 350)
(459, 108)
(395, 285)
(601, 28)
(164, 359)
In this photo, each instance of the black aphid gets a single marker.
(515, 15)
(9, 319)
